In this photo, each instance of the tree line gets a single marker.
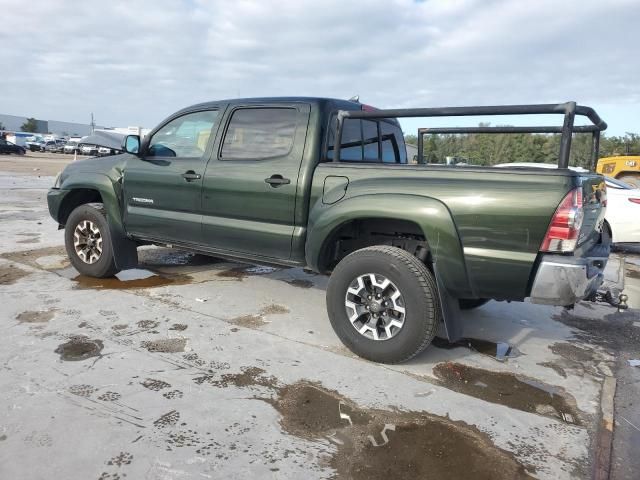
(494, 148)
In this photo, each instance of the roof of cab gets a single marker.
(321, 101)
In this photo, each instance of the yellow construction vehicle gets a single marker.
(624, 167)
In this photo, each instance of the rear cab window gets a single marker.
(368, 141)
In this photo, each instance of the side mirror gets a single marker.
(131, 144)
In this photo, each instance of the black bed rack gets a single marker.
(569, 110)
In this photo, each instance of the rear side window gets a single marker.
(259, 133)
(369, 141)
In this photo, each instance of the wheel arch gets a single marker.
(424, 216)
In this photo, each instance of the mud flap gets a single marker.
(125, 250)
(450, 310)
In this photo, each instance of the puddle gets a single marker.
(377, 444)
(134, 274)
(113, 283)
(507, 389)
(165, 345)
(169, 257)
(297, 282)
(10, 274)
(240, 273)
(500, 351)
(79, 348)
(36, 316)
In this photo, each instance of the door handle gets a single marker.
(190, 176)
(277, 180)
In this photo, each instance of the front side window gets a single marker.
(259, 133)
(185, 137)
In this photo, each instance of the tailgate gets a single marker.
(594, 198)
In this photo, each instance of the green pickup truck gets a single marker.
(325, 184)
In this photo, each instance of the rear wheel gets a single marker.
(88, 242)
(383, 304)
(630, 178)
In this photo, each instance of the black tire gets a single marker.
(105, 265)
(471, 303)
(419, 292)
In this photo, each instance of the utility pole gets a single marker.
(93, 124)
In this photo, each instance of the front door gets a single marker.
(249, 190)
(162, 187)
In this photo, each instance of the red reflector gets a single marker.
(635, 200)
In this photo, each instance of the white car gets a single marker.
(623, 204)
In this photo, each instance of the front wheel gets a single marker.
(383, 304)
(88, 242)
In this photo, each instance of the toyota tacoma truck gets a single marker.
(325, 184)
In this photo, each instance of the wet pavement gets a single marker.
(193, 367)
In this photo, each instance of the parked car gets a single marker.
(104, 151)
(88, 150)
(325, 184)
(35, 145)
(71, 147)
(7, 147)
(623, 204)
(53, 146)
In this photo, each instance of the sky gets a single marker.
(134, 62)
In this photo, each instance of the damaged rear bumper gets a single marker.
(563, 280)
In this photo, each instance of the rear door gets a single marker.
(163, 187)
(249, 190)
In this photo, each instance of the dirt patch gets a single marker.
(573, 352)
(178, 326)
(507, 389)
(147, 324)
(10, 274)
(248, 377)
(274, 309)
(41, 316)
(79, 348)
(30, 257)
(165, 345)
(255, 321)
(300, 283)
(500, 351)
(249, 321)
(155, 385)
(376, 444)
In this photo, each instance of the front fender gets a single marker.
(124, 249)
(431, 215)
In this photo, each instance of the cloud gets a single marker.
(133, 63)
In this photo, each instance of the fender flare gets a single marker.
(430, 214)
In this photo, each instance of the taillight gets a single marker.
(562, 235)
(634, 200)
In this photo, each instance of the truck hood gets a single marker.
(110, 166)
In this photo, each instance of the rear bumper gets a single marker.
(564, 280)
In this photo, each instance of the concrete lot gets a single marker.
(211, 369)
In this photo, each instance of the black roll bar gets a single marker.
(568, 109)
